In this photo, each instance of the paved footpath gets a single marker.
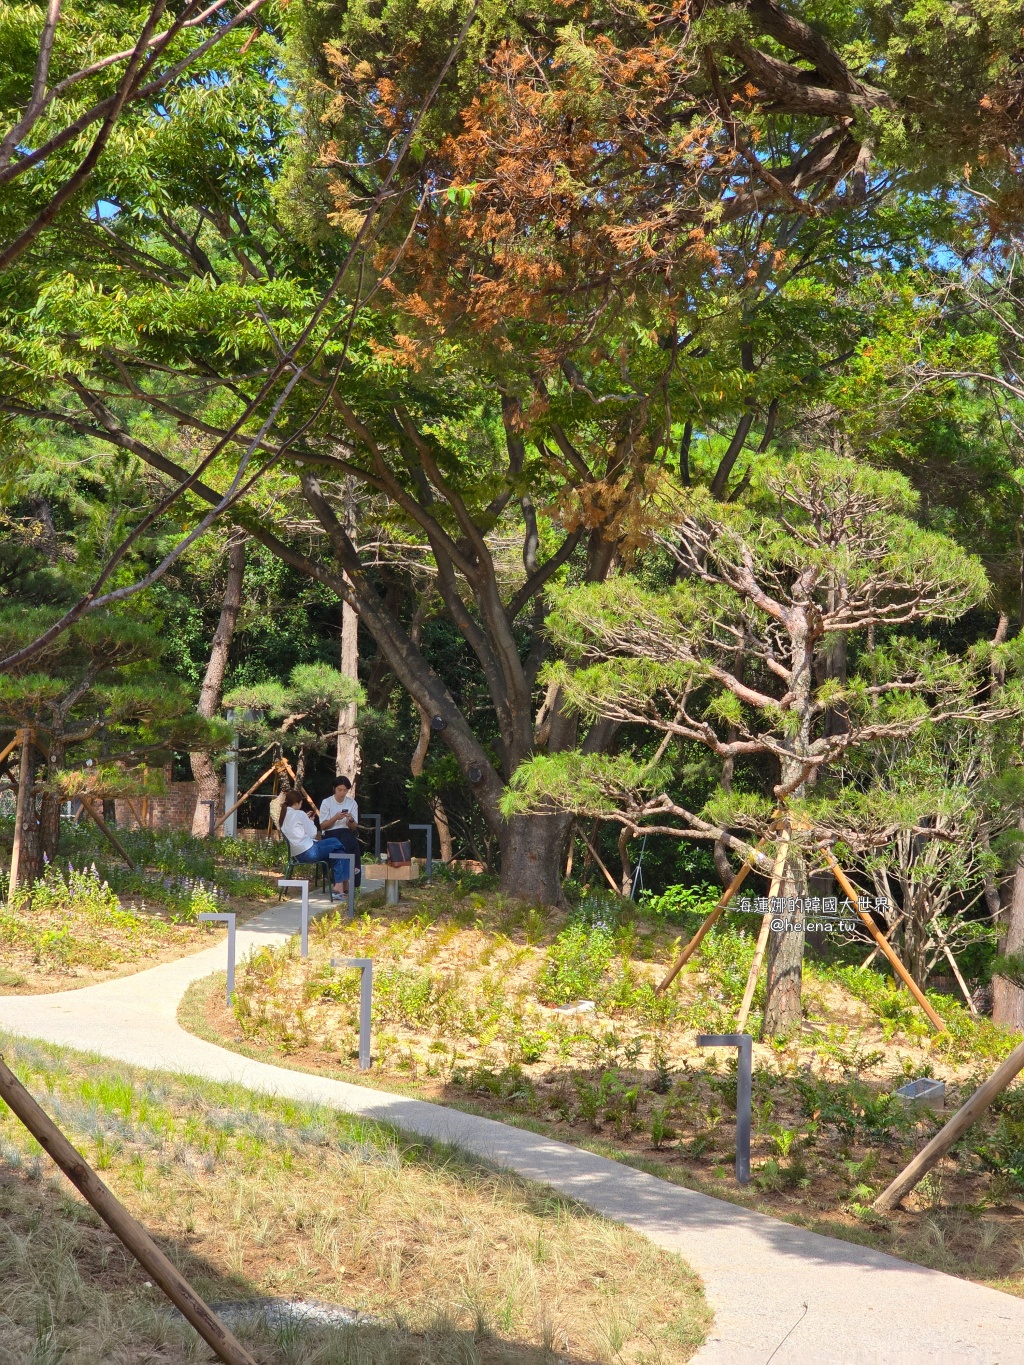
(779, 1293)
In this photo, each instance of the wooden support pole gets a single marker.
(298, 785)
(242, 799)
(884, 943)
(105, 829)
(716, 913)
(762, 938)
(132, 1234)
(944, 1139)
(607, 875)
(10, 748)
(24, 738)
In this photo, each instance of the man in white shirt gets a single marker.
(301, 833)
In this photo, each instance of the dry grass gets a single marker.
(460, 1019)
(252, 1196)
(75, 931)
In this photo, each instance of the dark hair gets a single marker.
(292, 798)
(341, 781)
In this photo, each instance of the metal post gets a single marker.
(231, 782)
(349, 860)
(376, 833)
(430, 848)
(744, 1085)
(365, 965)
(213, 815)
(391, 895)
(227, 918)
(304, 930)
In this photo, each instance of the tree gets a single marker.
(820, 560)
(100, 712)
(50, 98)
(300, 716)
(586, 272)
(213, 682)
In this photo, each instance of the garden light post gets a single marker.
(304, 926)
(349, 876)
(430, 848)
(365, 965)
(744, 1078)
(228, 918)
(376, 833)
(231, 782)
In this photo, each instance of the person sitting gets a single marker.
(301, 833)
(340, 814)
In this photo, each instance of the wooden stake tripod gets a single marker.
(778, 867)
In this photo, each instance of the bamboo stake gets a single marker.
(607, 875)
(716, 913)
(291, 773)
(884, 943)
(954, 1129)
(104, 828)
(134, 1236)
(24, 783)
(762, 938)
(242, 799)
(5, 753)
(955, 966)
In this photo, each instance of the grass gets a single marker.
(72, 929)
(252, 1196)
(90, 917)
(466, 993)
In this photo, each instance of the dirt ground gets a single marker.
(827, 1133)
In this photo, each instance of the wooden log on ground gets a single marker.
(131, 1233)
(944, 1139)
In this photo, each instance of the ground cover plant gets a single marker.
(89, 916)
(484, 1003)
(253, 1197)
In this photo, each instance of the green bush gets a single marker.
(576, 964)
(677, 904)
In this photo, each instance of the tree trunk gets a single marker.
(348, 758)
(783, 1013)
(27, 855)
(213, 683)
(625, 862)
(49, 810)
(531, 856)
(437, 810)
(1008, 999)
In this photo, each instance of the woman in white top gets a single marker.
(340, 810)
(340, 814)
(301, 833)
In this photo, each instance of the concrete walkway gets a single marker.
(779, 1293)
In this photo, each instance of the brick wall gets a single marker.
(173, 809)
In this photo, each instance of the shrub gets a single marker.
(678, 903)
(576, 963)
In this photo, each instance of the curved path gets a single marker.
(778, 1292)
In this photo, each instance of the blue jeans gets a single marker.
(321, 850)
